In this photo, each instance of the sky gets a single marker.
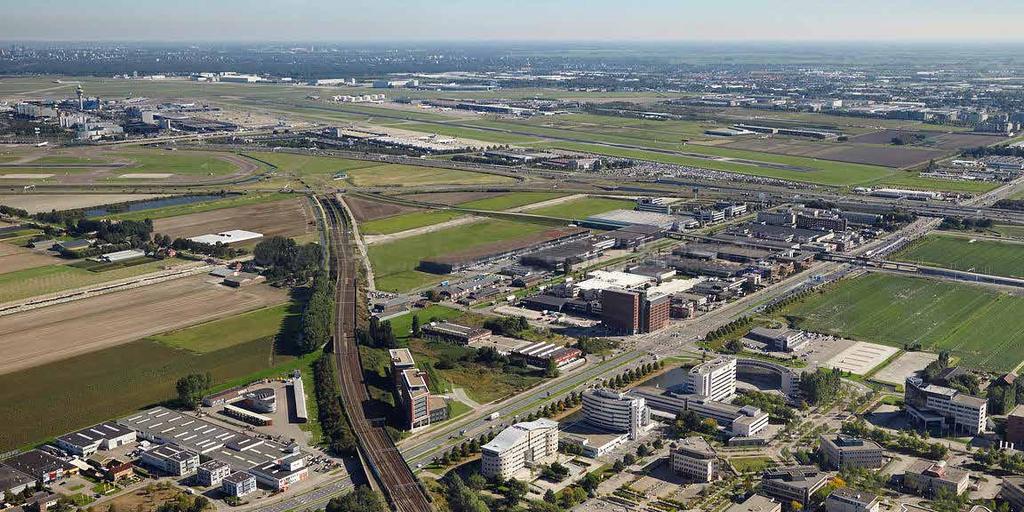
(506, 20)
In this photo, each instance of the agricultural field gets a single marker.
(980, 327)
(184, 163)
(286, 217)
(407, 221)
(314, 168)
(1008, 231)
(394, 264)
(452, 198)
(967, 254)
(229, 201)
(228, 332)
(62, 396)
(583, 207)
(364, 210)
(42, 335)
(48, 279)
(396, 175)
(14, 258)
(870, 154)
(509, 201)
(35, 203)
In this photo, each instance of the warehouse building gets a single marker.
(519, 446)
(13, 481)
(624, 218)
(282, 473)
(842, 452)
(41, 466)
(493, 252)
(298, 393)
(694, 458)
(794, 483)
(104, 436)
(573, 253)
(538, 354)
(227, 237)
(778, 340)
(454, 333)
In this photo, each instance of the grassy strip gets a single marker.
(202, 206)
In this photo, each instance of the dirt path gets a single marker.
(549, 202)
(460, 395)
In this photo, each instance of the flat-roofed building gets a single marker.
(413, 390)
(847, 499)
(714, 379)
(794, 483)
(103, 436)
(238, 484)
(779, 340)
(930, 478)
(280, 474)
(171, 459)
(694, 458)
(756, 503)
(841, 452)
(1012, 490)
(1015, 426)
(519, 446)
(13, 482)
(616, 412)
(41, 466)
(211, 472)
(461, 334)
(742, 421)
(943, 410)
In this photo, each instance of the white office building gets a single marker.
(616, 412)
(715, 379)
(519, 446)
(171, 459)
(238, 484)
(694, 458)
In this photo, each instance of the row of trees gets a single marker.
(363, 499)
(965, 223)
(337, 432)
(774, 405)
(217, 250)
(379, 333)
(316, 316)
(1010, 204)
(1004, 396)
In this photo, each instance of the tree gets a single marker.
(476, 481)
(192, 387)
(363, 499)
(415, 326)
(549, 496)
(461, 498)
(552, 369)
(515, 491)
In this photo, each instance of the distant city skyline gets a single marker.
(501, 20)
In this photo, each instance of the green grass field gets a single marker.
(203, 206)
(1008, 231)
(982, 327)
(508, 201)
(397, 223)
(31, 282)
(402, 326)
(394, 263)
(963, 253)
(315, 168)
(466, 133)
(186, 163)
(914, 181)
(396, 175)
(231, 331)
(583, 207)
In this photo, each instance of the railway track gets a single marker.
(386, 463)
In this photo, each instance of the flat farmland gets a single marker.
(187, 163)
(914, 181)
(56, 332)
(407, 221)
(582, 208)
(366, 210)
(394, 264)
(32, 282)
(932, 139)
(981, 327)
(963, 253)
(316, 168)
(397, 175)
(35, 203)
(452, 198)
(886, 156)
(288, 217)
(14, 258)
(229, 201)
(234, 330)
(509, 201)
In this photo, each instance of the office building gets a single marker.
(1015, 426)
(238, 484)
(756, 503)
(212, 472)
(280, 474)
(714, 379)
(104, 436)
(929, 478)
(171, 459)
(941, 410)
(616, 412)
(694, 458)
(633, 312)
(794, 483)
(746, 421)
(419, 407)
(519, 446)
(778, 340)
(841, 452)
(1012, 490)
(846, 499)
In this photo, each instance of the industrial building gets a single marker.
(572, 253)
(794, 483)
(625, 218)
(13, 481)
(227, 237)
(41, 466)
(238, 484)
(171, 459)
(941, 410)
(538, 354)
(848, 499)
(298, 397)
(713, 380)
(519, 446)
(929, 478)
(841, 452)
(616, 412)
(104, 436)
(492, 252)
(454, 333)
(694, 458)
(280, 474)
(212, 472)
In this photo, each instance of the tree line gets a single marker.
(317, 315)
(336, 429)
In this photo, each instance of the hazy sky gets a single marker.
(542, 20)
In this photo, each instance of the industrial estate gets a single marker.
(473, 284)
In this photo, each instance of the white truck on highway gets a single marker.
(493, 416)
